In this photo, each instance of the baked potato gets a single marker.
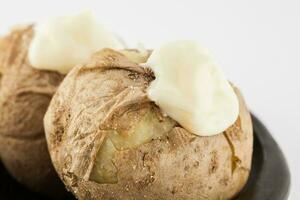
(107, 140)
(25, 94)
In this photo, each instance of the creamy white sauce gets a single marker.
(61, 43)
(191, 89)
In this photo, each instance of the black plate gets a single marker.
(269, 178)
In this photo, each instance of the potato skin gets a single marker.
(109, 92)
(25, 94)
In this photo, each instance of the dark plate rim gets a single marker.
(270, 177)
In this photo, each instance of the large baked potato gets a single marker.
(107, 140)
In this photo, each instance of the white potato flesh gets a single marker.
(148, 128)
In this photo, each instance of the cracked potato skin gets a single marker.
(109, 92)
(25, 94)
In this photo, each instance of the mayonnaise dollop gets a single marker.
(190, 88)
(60, 43)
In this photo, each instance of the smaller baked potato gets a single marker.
(25, 94)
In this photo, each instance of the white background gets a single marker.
(257, 44)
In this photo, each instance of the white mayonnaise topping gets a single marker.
(191, 89)
(61, 43)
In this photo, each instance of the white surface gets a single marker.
(256, 42)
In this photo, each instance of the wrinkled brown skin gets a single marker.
(109, 92)
(25, 94)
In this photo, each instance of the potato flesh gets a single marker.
(149, 127)
(104, 170)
